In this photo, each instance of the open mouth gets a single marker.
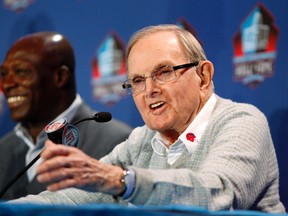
(157, 105)
(16, 100)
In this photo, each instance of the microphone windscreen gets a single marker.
(103, 117)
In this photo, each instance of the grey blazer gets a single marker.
(95, 139)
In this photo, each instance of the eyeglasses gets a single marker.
(161, 75)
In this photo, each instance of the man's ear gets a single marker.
(205, 71)
(61, 75)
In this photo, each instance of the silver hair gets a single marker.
(190, 45)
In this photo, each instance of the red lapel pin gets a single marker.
(190, 136)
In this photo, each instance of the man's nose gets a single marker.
(150, 84)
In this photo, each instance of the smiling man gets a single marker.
(38, 81)
(195, 149)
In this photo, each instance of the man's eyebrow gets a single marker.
(155, 68)
(135, 75)
(162, 64)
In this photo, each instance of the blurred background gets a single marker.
(245, 39)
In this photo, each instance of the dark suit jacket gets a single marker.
(95, 139)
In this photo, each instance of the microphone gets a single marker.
(98, 117)
(60, 132)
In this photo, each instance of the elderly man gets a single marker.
(195, 148)
(38, 81)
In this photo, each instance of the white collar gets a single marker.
(197, 127)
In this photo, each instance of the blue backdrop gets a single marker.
(88, 23)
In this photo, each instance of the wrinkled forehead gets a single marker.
(155, 50)
(15, 56)
(27, 49)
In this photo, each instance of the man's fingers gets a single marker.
(52, 150)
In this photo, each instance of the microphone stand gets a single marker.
(2, 192)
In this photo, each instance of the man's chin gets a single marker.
(18, 117)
